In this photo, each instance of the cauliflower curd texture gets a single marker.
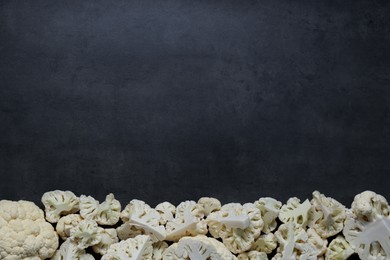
(75, 227)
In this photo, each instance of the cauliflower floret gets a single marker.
(58, 203)
(367, 226)
(158, 250)
(317, 241)
(269, 209)
(188, 221)
(253, 255)
(70, 251)
(200, 248)
(139, 214)
(166, 211)
(209, 205)
(338, 249)
(66, 223)
(86, 234)
(296, 212)
(265, 243)
(328, 215)
(138, 248)
(127, 230)
(238, 226)
(106, 213)
(88, 207)
(108, 237)
(24, 232)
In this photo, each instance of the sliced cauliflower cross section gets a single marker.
(108, 237)
(106, 213)
(70, 251)
(238, 226)
(24, 233)
(59, 203)
(338, 249)
(66, 223)
(296, 212)
(269, 208)
(209, 205)
(166, 211)
(87, 233)
(367, 226)
(138, 248)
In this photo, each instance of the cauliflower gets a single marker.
(24, 232)
(138, 248)
(367, 226)
(209, 205)
(338, 249)
(158, 250)
(253, 255)
(106, 213)
(166, 211)
(238, 226)
(317, 241)
(188, 221)
(127, 230)
(66, 223)
(108, 237)
(198, 248)
(296, 212)
(70, 251)
(59, 203)
(328, 214)
(265, 243)
(269, 209)
(86, 234)
(139, 214)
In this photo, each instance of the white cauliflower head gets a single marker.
(367, 226)
(238, 226)
(138, 248)
(108, 237)
(188, 221)
(87, 233)
(269, 209)
(296, 212)
(24, 232)
(58, 203)
(328, 215)
(209, 205)
(66, 223)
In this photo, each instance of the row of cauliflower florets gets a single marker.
(192, 230)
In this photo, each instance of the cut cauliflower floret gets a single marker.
(24, 232)
(106, 213)
(158, 250)
(127, 230)
(188, 221)
(296, 212)
(238, 226)
(166, 211)
(265, 243)
(87, 233)
(70, 251)
(253, 255)
(200, 248)
(66, 223)
(209, 205)
(108, 237)
(138, 248)
(139, 214)
(367, 226)
(328, 215)
(338, 249)
(317, 241)
(269, 209)
(58, 203)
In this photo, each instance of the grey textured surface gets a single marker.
(177, 99)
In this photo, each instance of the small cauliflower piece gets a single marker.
(188, 221)
(88, 207)
(198, 248)
(253, 255)
(69, 251)
(109, 211)
(269, 209)
(58, 203)
(238, 226)
(87, 233)
(209, 205)
(139, 214)
(367, 226)
(158, 250)
(24, 233)
(329, 215)
(108, 237)
(265, 243)
(66, 223)
(138, 248)
(338, 249)
(317, 241)
(296, 212)
(127, 230)
(166, 211)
